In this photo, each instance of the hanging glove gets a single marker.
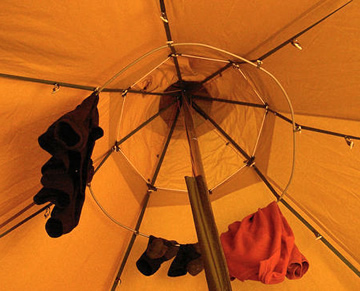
(158, 251)
(188, 259)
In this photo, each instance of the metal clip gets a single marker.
(318, 236)
(349, 142)
(163, 17)
(297, 128)
(259, 63)
(151, 188)
(267, 108)
(117, 281)
(235, 65)
(124, 93)
(115, 148)
(296, 44)
(47, 212)
(56, 88)
(250, 162)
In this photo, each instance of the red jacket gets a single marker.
(261, 247)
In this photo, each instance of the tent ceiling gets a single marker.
(87, 44)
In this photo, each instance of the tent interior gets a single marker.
(54, 55)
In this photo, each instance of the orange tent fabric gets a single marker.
(81, 46)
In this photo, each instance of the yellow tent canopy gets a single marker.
(275, 111)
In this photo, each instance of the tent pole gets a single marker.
(169, 39)
(132, 241)
(216, 271)
(145, 203)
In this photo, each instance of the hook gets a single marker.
(163, 17)
(349, 142)
(124, 93)
(296, 44)
(318, 236)
(56, 88)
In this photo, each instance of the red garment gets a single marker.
(261, 247)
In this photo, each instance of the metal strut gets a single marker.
(169, 39)
(314, 129)
(217, 275)
(145, 203)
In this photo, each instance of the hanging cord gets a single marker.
(113, 219)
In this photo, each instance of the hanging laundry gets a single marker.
(158, 251)
(262, 247)
(70, 140)
(187, 260)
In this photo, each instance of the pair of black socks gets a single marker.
(187, 258)
(70, 140)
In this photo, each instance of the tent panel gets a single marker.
(326, 177)
(41, 40)
(219, 159)
(176, 164)
(144, 148)
(322, 78)
(231, 31)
